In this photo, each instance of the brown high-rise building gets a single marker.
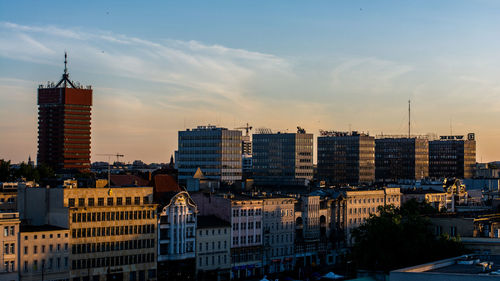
(64, 125)
(452, 157)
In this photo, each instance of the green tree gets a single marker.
(400, 237)
(5, 172)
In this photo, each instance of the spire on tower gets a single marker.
(65, 76)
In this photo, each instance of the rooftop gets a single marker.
(38, 228)
(211, 222)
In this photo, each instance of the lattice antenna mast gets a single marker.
(65, 76)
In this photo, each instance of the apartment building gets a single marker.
(177, 235)
(44, 253)
(9, 242)
(213, 252)
(245, 215)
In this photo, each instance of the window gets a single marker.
(90, 203)
(110, 201)
(145, 200)
(128, 201)
(25, 250)
(119, 201)
(100, 201)
(35, 249)
(71, 202)
(81, 202)
(12, 248)
(137, 200)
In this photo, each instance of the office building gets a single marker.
(177, 237)
(282, 158)
(213, 252)
(44, 253)
(399, 158)
(346, 158)
(245, 215)
(216, 151)
(452, 157)
(9, 242)
(64, 111)
(112, 232)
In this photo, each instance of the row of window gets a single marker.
(46, 267)
(249, 225)
(109, 200)
(112, 216)
(219, 231)
(112, 230)
(51, 248)
(112, 261)
(43, 236)
(219, 246)
(246, 239)
(243, 212)
(220, 261)
(112, 246)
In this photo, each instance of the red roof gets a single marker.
(128, 180)
(166, 183)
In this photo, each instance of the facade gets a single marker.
(346, 158)
(452, 157)
(435, 198)
(213, 252)
(282, 158)
(398, 158)
(177, 235)
(64, 125)
(279, 233)
(44, 253)
(245, 215)
(112, 231)
(9, 246)
(217, 151)
(354, 207)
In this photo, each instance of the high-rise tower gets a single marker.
(64, 111)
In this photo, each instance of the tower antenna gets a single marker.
(65, 77)
(409, 118)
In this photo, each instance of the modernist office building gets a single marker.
(216, 151)
(64, 125)
(282, 158)
(112, 232)
(346, 158)
(452, 157)
(400, 158)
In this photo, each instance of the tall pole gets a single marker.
(409, 118)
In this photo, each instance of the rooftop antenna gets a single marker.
(451, 127)
(409, 118)
(65, 76)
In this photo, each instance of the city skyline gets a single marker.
(190, 69)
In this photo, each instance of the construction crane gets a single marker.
(247, 128)
(118, 155)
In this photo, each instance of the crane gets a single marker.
(247, 128)
(118, 155)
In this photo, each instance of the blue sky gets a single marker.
(160, 66)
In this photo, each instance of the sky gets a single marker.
(158, 67)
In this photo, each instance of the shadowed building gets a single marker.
(452, 157)
(346, 158)
(64, 125)
(400, 158)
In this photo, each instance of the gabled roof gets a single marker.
(199, 174)
(165, 183)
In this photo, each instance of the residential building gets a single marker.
(279, 232)
(177, 236)
(112, 230)
(215, 150)
(282, 158)
(452, 157)
(401, 158)
(213, 252)
(44, 253)
(245, 215)
(437, 199)
(346, 158)
(9, 245)
(64, 111)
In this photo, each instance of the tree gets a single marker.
(400, 237)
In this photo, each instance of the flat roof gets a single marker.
(39, 228)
